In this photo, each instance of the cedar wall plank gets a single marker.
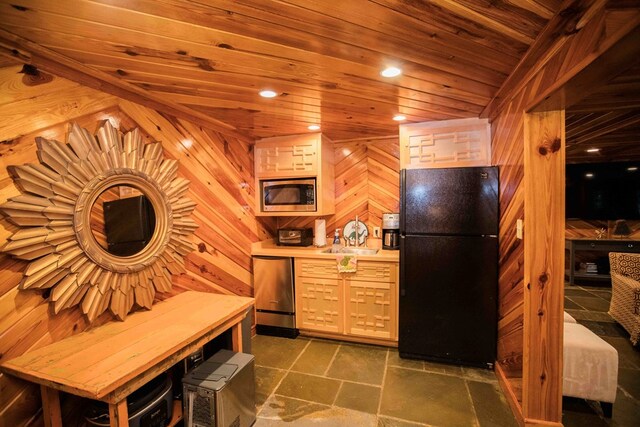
(367, 184)
(508, 153)
(220, 169)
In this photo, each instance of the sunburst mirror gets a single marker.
(62, 218)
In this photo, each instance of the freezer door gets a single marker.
(448, 293)
(273, 283)
(457, 201)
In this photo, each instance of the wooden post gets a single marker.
(544, 163)
(51, 407)
(118, 414)
(236, 337)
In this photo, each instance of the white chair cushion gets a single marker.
(590, 365)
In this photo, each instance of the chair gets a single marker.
(625, 297)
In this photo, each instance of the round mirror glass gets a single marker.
(122, 220)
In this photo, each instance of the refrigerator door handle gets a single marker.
(403, 177)
(402, 278)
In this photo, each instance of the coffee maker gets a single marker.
(391, 231)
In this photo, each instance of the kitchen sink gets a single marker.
(355, 251)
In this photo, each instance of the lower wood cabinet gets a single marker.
(319, 304)
(362, 304)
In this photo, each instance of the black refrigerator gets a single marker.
(449, 265)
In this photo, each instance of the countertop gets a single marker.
(269, 248)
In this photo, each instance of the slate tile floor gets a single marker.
(312, 382)
(589, 306)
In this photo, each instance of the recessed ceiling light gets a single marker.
(313, 127)
(632, 168)
(593, 150)
(588, 175)
(391, 72)
(268, 93)
(399, 117)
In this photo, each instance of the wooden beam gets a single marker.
(544, 156)
(549, 41)
(51, 412)
(25, 51)
(617, 54)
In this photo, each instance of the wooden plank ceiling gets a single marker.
(323, 57)
(608, 119)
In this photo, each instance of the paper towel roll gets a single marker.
(320, 236)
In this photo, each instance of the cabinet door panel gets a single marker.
(319, 304)
(374, 272)
(370, 310)
(287, 159)
(322, 268)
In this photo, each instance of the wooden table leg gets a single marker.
(118, 416)
(236, 337)
(51, 407)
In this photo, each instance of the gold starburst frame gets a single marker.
(54, 212)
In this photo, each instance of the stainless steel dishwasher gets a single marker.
(274, 293)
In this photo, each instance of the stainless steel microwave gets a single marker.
(289, 195)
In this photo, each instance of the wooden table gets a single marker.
(596, 245)
(111, 361)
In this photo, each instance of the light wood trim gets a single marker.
(236, 338)
(512, 400)
(326, 177)
(51, 407)
(543, 265)
(176, 415)
(27, 52)
(119, 414)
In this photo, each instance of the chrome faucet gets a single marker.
(357, 236)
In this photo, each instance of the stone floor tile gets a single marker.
(628, 357)
(316, 357)
(572, 291)
(284, 411)
(358, 397)
(392, 422)
(362, 364)
(425, 397)
(591, 303)
(578, 413)
(607, 329)
(276, 352)
(570, 305)
(479, 374)
(442, 368)
(309, 387)
(396, 360)
(266, 381)
(629, 381)
(492, 409)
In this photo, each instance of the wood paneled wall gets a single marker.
(220, 169)
(576, 228)
(367, 184)
(567, 55)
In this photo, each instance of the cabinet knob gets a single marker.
(630, 245)
(593, 245)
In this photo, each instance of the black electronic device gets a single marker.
(129, 224)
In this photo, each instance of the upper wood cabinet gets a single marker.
(297, 156)
(445, 144)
